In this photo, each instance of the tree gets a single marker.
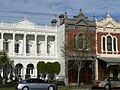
(56, 68)
(49, 69)
(52, 69)
(4, 61)
(41, 68)
(80, 47)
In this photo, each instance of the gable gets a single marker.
(82, 23)
(25, 24)
(109, 25)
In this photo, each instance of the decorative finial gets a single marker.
(66, 13)
(80, 11)
(94, 17)
(108, 13)
(25, 18)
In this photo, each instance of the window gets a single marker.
(28, 48)
(114, 43)
(103, 43)
(16, 48)
(87, 42)
(81, 44)
(109, 43)
(75, 40)
(5, 46)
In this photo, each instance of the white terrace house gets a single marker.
(27, 43)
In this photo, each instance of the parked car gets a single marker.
(110, 82)
(35, 84)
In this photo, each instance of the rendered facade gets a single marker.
(28, 43)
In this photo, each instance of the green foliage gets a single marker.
(4, 59)
(41, 67)
(48, 68)
(56, 67)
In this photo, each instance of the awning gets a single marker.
(110, 59)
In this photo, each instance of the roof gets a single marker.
(110, 59)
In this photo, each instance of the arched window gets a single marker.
(18, 69)
(75, 40)
(87, 42)
(103, 44)
(81, 41)
(114, 44)
(109, 43)
(29, 69)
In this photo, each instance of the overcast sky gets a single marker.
(42, 11)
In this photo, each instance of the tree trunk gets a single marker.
(66, 72)
(78, 76)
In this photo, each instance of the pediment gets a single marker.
(25, 24)
(109, 24)
(82, 22)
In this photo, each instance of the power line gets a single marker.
(27, 17)
(33, 13)
(29, 13)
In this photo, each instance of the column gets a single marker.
(112, 45)
(45, 49)
(13, 51)
(35, 44)
(24, 47)
(116, 46)
(24, 72)
(1, 47)
(106, 45)
(56, 40)
(35, 72)
(96, 69)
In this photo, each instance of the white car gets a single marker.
(108, 83)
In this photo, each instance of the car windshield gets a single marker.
(23, 81)
(112, 79)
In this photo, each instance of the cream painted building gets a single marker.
(107, 48)
(28, 43)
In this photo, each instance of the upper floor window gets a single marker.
(16, 48)
(75, 40)
(6, 46)
(87, 41)
(81, 44)
(114, 43)
(109, 43)
(103, 43)
(81, 41)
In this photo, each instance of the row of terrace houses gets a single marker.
(28, 43)
(105, 34)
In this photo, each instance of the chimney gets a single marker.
(61, 19)
(54, 22)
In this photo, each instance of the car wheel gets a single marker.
(50, 88)
(107, 87)
(25, 88)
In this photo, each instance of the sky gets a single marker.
(43, 11)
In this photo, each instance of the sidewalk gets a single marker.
(80, 89)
